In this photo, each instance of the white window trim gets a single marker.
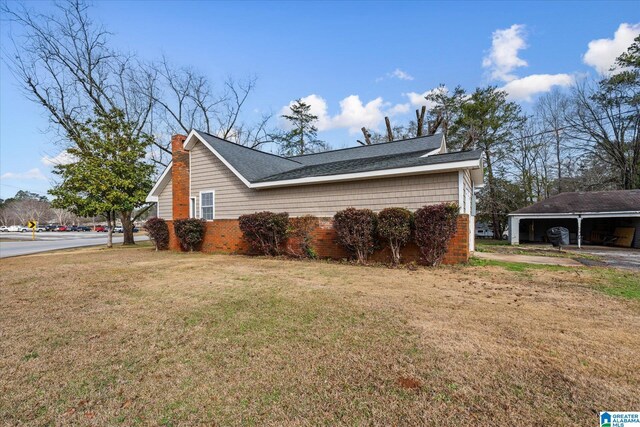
(213, 192)
(192, 207)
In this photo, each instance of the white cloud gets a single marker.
(525, 87)
(399, 109)
(418, 99)
(34, 173)
(396, 74)
(402, 75)
(503, 56)
(62, 158)
(503, 59)
(602, 53)
(353, 115)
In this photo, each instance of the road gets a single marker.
(16, 244)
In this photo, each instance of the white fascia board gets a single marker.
(160, 183)
(618, 214)
(442, 167)
(193, 137)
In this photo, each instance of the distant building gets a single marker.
(598, 217)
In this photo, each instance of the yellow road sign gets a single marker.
(32, 224)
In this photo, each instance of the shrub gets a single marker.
(190, 233)
(265, 231)
(356, 230)
(394, 226)
(302, 229)
(158, 232)
(435, 225)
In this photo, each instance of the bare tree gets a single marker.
(29, 209)
(185, 100)
(552, 109)
(63, 216)
(65, 64)
(605, 122)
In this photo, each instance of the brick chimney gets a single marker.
(180, 177)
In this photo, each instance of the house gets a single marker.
(218, 181)
(598, 217)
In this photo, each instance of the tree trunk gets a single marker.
(558, 161)
(389, 131)
(127, 228)
(110, 224)
(420, 120)
(495, 221)
(367, 136)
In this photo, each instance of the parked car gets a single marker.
(4, 228)
(51, 227)
(484, 233)
(18, 228)
(118, 229)
(101, 229)
(83, 228)
(40, 228)
(136, 229)
(61, 228)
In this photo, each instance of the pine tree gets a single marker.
(303, 137)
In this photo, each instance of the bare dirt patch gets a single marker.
(135, 337)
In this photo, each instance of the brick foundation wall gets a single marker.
(224, 236)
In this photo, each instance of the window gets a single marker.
(206, 205)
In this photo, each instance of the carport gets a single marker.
(596, 218)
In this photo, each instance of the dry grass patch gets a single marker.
(134, 337)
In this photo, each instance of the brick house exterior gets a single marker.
(218, 180)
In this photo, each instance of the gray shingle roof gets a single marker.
(258, 166)
(582, 202)
(411, 145)
(251, 164)
(403, 160)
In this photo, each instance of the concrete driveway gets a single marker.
(16, 244)
(614, 257)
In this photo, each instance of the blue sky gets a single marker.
(354, 62)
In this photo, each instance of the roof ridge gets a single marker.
(364, 146)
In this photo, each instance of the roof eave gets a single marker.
(415, 170)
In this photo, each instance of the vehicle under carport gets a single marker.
(596, 218)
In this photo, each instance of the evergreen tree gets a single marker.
(488, 121)
(109, 175)
(303, 136)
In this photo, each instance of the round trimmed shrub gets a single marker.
(190, 233)
(265, 231)
(435, 225)
(356, 229)
(158, 231)
(394, 226)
